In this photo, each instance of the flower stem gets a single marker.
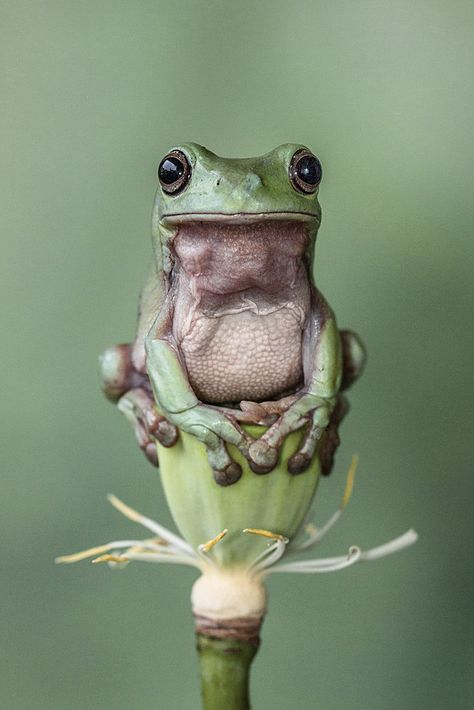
(224, 665)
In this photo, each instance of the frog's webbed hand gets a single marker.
(214, 428)
(314, 403)
(130, 389)
(353, 357)
(310, 411)
(180, 405)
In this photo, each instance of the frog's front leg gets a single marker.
(322, 355)
(130, 390)
(340, 358)
(179, 404)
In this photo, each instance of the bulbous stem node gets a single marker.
(229, 606)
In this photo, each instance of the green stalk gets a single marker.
(228, 601)
(224, 665)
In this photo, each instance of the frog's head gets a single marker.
(197, 186)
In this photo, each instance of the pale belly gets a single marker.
(244, 356)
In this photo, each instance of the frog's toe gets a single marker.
(298, 463)
(262, 456)
(225, 470)
(301, 459)
(166, 433)
(149, 449)
(261, 470)
(229, 475)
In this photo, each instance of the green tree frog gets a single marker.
(231, 328)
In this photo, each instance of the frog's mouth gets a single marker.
(240, 217)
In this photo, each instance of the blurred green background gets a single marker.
(93, 94)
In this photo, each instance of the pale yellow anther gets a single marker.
(77, 556)
(109, 558)
(350, 481)
(207, 546)
(266, 533)
(310, 529)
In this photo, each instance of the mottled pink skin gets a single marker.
(241, 297)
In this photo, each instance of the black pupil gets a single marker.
(170, 170)
(309, 169)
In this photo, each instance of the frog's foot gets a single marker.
(139, 409)
(117, 373)
(308, 410)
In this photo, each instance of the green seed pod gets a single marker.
(276, 502)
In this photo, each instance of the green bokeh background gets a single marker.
(93, 94)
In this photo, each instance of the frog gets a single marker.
(232, 330)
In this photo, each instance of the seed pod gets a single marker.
(276, 502)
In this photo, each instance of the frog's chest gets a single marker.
(245, 355)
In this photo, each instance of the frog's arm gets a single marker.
(322, 365)
(322, 353)
(180, 405)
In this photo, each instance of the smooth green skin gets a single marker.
(224, 666)
(233, 186)
(259, 187)
(277, 502)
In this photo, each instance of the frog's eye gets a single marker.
(174, 172)
(305, 171)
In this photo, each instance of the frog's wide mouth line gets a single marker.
(238, 217)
